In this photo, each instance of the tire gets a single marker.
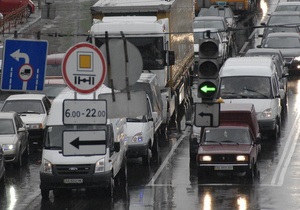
(193, 150)
(110, 189)
(146, 158)
(155, 144)
(251, 173)
(45, 194)
(2, 180)
(123, 175)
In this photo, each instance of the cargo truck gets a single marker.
(162, 31)
(239, 7)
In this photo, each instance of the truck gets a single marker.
(162, 31)
(231, 147)
(239, 7)
(82, 155)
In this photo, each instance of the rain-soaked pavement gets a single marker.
(170, 182)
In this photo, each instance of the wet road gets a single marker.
(171, 182)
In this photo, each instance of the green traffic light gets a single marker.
(207, 89)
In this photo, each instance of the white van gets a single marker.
(254, 80)
(65, 167)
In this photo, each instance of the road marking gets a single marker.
(162, 166)
(278, 177)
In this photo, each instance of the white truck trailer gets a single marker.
(163, 33)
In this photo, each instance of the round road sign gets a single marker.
(84, 68)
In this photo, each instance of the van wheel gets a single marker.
(123, 174)
(110, 188)
(146, 158)
(45, 194)
(155, 144)
(2, 180)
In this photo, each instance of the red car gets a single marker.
(7, 6)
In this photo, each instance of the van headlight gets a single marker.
(46, 166)
(266, 113)
(100, 166)
(137, 138)
(35, 126)
(8, 147)
(297, 58)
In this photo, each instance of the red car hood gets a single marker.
(225, 149)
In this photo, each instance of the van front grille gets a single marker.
(73, 169)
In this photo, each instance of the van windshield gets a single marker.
(246, 87)
(54, 134)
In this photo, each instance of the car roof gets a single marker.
(210, 18)
(284, 34)
(290, 13)
(212, 30)
(264, 51)
(240, 66)
(26, 96)
(292, 3)
(7, 115)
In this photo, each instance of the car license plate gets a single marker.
(73, 181)
(223, 168)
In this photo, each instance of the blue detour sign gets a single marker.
(24, 65)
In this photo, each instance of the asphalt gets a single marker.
(69, 25)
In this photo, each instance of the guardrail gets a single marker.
(14, 18)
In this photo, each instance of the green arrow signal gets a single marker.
(207, 89)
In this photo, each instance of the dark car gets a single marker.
(288, 44)
(13, 137)
(231, 149)
(7, 6)
(2, 167)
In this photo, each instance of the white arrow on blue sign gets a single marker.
(24, 65)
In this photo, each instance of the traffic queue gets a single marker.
(84, 130)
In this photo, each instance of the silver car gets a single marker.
(13, 138)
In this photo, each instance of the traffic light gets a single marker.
(208, 68)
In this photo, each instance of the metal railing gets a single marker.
(11, 20)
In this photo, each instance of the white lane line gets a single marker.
(162, 166)
(285, 161)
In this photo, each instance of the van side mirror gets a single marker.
(21, 129)
(281, 93)
(117, 146)
(170, 58)
(188, 123)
